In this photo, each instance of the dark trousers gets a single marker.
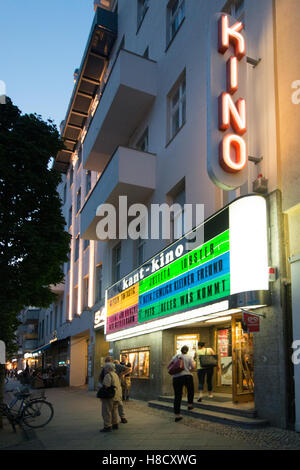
(178, 384)
(208, 372)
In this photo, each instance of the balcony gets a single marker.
(129, 173)
(90, 74)
(26, 329)
(31, 316)
(128, 96)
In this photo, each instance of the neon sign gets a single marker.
(226, 111)
(233, 149)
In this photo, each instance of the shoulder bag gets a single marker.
(176, 366)
(208, 360)
(106, 392)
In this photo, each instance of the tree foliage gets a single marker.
(33, 241)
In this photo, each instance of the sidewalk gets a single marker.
(77, 421)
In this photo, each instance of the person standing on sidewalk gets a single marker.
(119, 371)
(126, 378)
(183, 378)
(203, 372)
(110, 405)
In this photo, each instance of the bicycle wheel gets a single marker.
(37, 414)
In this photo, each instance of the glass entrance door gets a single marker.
(243, 370)
(235, 372)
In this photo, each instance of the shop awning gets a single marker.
(41, 349)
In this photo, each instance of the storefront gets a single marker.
(184, 294)
(55, 355)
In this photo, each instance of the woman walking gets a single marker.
(203, 372)
(183, 378)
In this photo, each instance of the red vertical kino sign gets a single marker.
(226, 106)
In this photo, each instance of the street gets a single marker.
(77, 421)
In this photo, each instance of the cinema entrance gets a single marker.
(234, 376)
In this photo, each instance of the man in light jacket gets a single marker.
(110, 405)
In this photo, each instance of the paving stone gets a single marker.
(77, 421)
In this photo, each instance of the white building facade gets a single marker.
(143, 123)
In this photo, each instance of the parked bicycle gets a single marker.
(33, 411)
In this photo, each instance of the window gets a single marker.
(116, 263)
(142, 7)
(85, 296)
(61, 312)
(99, 274)
(65, 194)
(70, 216)
(78, 201)
(235, 8)
(177, 107)
(86, 244)
(139, 359)
(140, 251)
(88, 182)
(142, 143)
(71, 175)
(175, 17)
(68, 263)
(75, 301)
(55, 318)
(77, 248)
(67, 306)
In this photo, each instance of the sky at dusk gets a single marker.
(41, 44)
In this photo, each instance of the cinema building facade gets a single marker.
(185, 114)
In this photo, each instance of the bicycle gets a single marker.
(34, 412)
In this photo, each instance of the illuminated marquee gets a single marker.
(231, 261)
(227, 114)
